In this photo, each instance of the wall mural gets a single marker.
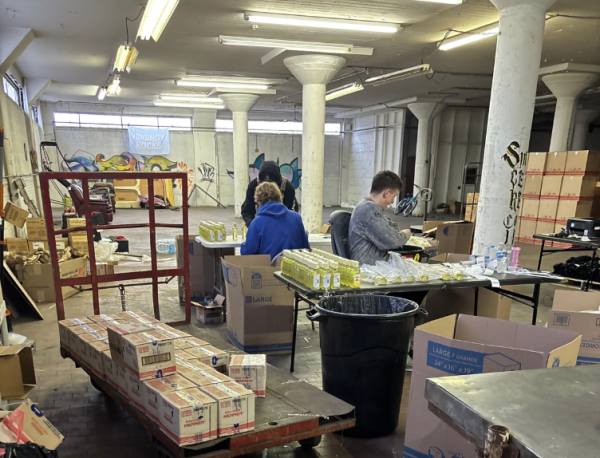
(82, 161)
(290, 171)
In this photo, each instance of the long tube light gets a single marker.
(191, 98)
(213, 106)
(323, 23)
(471, 37)
(335, 48)
(156, 15)
(114, 87)
(102, 90)
(448, 2)
(343, 90)
(399, 75)
(126, 57)
(192, 83)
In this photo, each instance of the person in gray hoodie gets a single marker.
(372, 234)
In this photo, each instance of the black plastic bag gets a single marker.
(28, 450)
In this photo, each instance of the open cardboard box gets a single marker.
(36, 427)
(17, 371)
(453, 236)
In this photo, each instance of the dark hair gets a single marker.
(385, 179)
(267, 192)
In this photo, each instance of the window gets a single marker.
(274, 127)
(111, 121)
(35, 113)
(14, 90)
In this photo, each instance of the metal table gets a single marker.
(551, 413)
(292, 410)
(579, 245)
(303, 294)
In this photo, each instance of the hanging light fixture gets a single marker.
(114, 88)
(126, 57)
(102, 90)
(343, 90)
(155, 18)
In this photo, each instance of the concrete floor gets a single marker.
(94, 426)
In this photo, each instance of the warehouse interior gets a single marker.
(135, 136)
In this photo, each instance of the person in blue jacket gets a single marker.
(275, 228)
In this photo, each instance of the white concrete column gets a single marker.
(583, 119)
(518, 54)
(567, 87)
(425, 112)
(240, 104)
(313, 72)
(204, 163)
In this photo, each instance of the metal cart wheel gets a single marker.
(98, 387)
(310, 442)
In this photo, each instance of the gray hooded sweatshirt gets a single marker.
(372, 234)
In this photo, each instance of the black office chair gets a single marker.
(340, 228)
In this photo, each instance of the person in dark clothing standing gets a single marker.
(269, 172)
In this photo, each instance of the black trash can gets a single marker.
(364, 344)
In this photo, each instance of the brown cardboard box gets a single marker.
(79, 243)
(15, 245)
(472, 198)
(442, 303)
(526, 232)
(259, 308)
(596, 203)
(544, 228)
(17, 372)
(473, 345)
(471, 213)
(75, 222)
(34, 245)
(583, 163)
(36, 427)
(326, 229)
(116, 332)
(536, 164)
(202, 277)
(36, 229)
(61, 243)
(577, 311)
(38, 280)
(454, 236)
(555, 163)
(573, 209)
(578, 187)
(529, 209)
(532, 188)
(551, 186)
(210, 314)
(15, 215)
(547, 210)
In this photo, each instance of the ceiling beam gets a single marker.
(14, 41)
(387, 107)
(35, 88)
(569, 67)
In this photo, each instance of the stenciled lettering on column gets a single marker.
(515, 159)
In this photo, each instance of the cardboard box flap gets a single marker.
(565, 356)
(11, 349)
(249, 260)
(443, 327)
(576, 301)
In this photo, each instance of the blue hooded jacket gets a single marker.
(275, 229)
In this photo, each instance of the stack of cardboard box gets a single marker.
(169, 375)
(557, 186)
(471, 206)
(77, 240)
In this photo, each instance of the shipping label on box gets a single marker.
(15, 215)
(536, 164)
(578, 187)
(555, 163)
(236, 407)
(551, 186)
(149, 355)
(189, 416)
(16, 245)
(116, 334)
(203, 378)
(36, 229)
(583, 163)
(532, 187)
(250, 371)
(473, 345)
(153, 389)
(547, 210)
(63, 329)
(529, 209)
(210, 356)
(34, 426)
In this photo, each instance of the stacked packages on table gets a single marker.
(176, 379)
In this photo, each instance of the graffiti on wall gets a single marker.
(290, 171)
(82, 161)
(515, 159)
(207, 173)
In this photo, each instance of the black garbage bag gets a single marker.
(29, 450)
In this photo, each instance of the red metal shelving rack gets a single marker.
(94, 279)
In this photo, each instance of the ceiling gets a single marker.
(76, 41)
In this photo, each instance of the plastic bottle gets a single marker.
(235, 233)
(487, 255)
(244, 230)
(501, 258)
(514, 256)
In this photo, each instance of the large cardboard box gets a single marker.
(473, 345)
(15, 215)
(555, 163)
(149, 355)
(529, 209)
(36, 229)
(551, 186)
(532, 187)
(236, 407)
(578, 187)
(573, 209)
(38, 279)
(250, 371)
(547, 210)
(578, 311)
(583, 163)
(259, 308)
(210, 314)
(36, 427)
(202, 268)
(15, 245)
(116, 332)
(34, 245)
(526, 232)
(155, 387)
(544, 228)
(442, 303)
(17, 372)
(454, 236)
(79, 243)
(536, 164)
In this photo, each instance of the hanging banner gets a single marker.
(149, 142)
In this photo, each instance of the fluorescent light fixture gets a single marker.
(448, 2)
(126, 57)
(232, 78)
(190, 105)
(191, 98)
(399, 75)
(343, 90)
(192, 83)
(470, 37)
(335, 48)
(114, 87)
(102, 90)
(322, 23)
(156, 15)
